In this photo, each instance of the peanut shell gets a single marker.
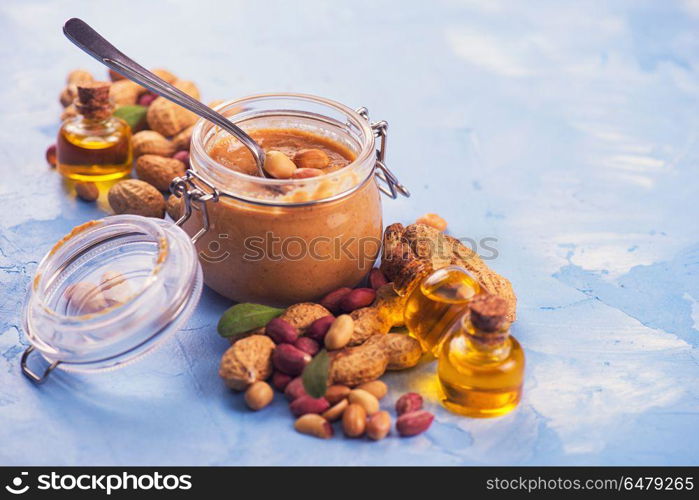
(78, 76)
(69, 112)
(136, 197)
(247, 361)
(165, 75)
(174, 207)
(403, 350)
(433, 220)
(303, 314)
(124, 92)
(368, 321)
(188, 87)
(151, 142)
(352, 366)
(168, 118)
(183, 139)
(66, 97)
(390, 305)
(159, 171)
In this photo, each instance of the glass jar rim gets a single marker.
(92, 229)
(198, 150)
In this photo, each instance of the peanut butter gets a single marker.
(279, 254)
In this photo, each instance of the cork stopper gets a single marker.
(93, 100)
(489, 313)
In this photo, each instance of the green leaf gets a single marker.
(133, 115)
(244, 317)
(315, 375)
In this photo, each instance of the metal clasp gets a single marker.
(29, 373)
(194, 199)
(391, 185)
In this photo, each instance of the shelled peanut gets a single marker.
(87, 191)
(305, 164)
(258, 395)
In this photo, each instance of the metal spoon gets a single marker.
(87, 39)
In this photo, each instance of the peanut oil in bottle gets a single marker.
(436, 302)
(481, 367)
(94, 146)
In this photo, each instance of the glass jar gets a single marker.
(109, 292)
(481, 366)
(283, 241)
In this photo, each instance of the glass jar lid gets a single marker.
(109, 292)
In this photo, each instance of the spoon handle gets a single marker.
(87, 39)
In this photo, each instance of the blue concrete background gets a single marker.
(566, 130)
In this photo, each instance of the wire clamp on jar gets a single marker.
(194, 199)
(29, 373)
(391, 185)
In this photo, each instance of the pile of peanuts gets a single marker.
(356, 408)
(359, 412)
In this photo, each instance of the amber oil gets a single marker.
(481, 372)
(436, 302)
(94, 146)
(94, 152)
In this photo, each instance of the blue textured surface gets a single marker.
(568, 131)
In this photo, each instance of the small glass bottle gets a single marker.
(481, 367)
(435, 301)
(94, 146)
